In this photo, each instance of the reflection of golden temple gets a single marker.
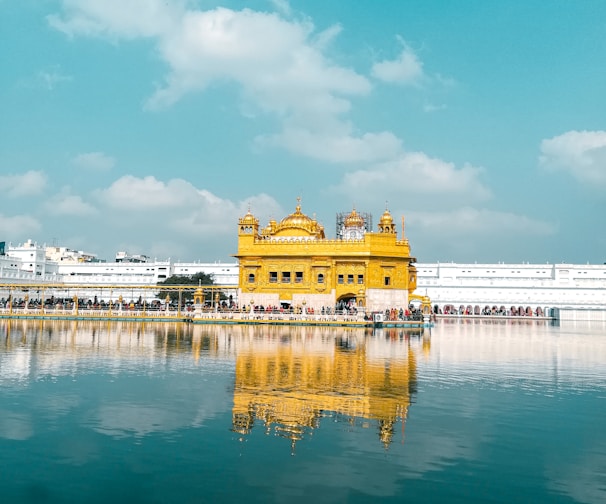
(291, 389)
(289, 380)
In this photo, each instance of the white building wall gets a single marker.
(523, 284)
(32, 257)
(386, 299)
(115, 273)
(501, 284)
(222, 273)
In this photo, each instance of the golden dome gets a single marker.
(386, 218)
(270, 228)
(296, 219)
(298, 224)
(354, 219)
(248, 219)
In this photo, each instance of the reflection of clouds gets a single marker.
(124, 419)
(535, 355)
(57, 406)
(429, 451)
(584, 479)
(347, 474)
(430, 446)
(369, 472)
(78, 451)
(139, 407)
(360, 465)
(481, 392)
(15, 426)
(15, 366)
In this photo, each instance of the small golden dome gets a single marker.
(248, 219)
(386, 218)
(271, 227)
(354, 219)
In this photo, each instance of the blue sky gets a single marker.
(151, 126)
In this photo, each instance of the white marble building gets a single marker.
(447, 284)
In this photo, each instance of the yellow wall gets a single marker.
(295, 246)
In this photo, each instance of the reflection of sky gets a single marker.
(15, 426)
(14, 366)
(159, 405)
(532, 356)
(500, 414)
(584, 478)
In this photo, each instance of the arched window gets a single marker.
(320, 278)
(251, 278)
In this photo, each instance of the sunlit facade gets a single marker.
(291, 263)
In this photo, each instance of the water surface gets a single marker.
(162, 413)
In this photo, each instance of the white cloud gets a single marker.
(116, 19)
(465, 234)
(217, 215)
(50, 78)
(26, 184)
(18, 225)
(466, 221)
(406, 69)
(343, 148)
(431, 107)
(416, 175)
(278, 64)
(71, 205)
(272, 59)
(325, 38)
(179, 204)
(282, 6)
(172, 218)
(580, 153)
(94, 161)
(148, 193)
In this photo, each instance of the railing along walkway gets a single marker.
(208, 316)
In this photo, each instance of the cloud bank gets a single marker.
(581, 154)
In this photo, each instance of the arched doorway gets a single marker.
(347, 302)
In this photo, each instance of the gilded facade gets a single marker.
(291, 263)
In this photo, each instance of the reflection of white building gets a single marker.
(496, 284)
(532, 351)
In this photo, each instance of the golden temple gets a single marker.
(291, 264)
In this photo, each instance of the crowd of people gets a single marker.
(342, 308)
(487, 310)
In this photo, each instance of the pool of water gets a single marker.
(466, 412)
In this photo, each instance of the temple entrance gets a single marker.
(346, 302)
